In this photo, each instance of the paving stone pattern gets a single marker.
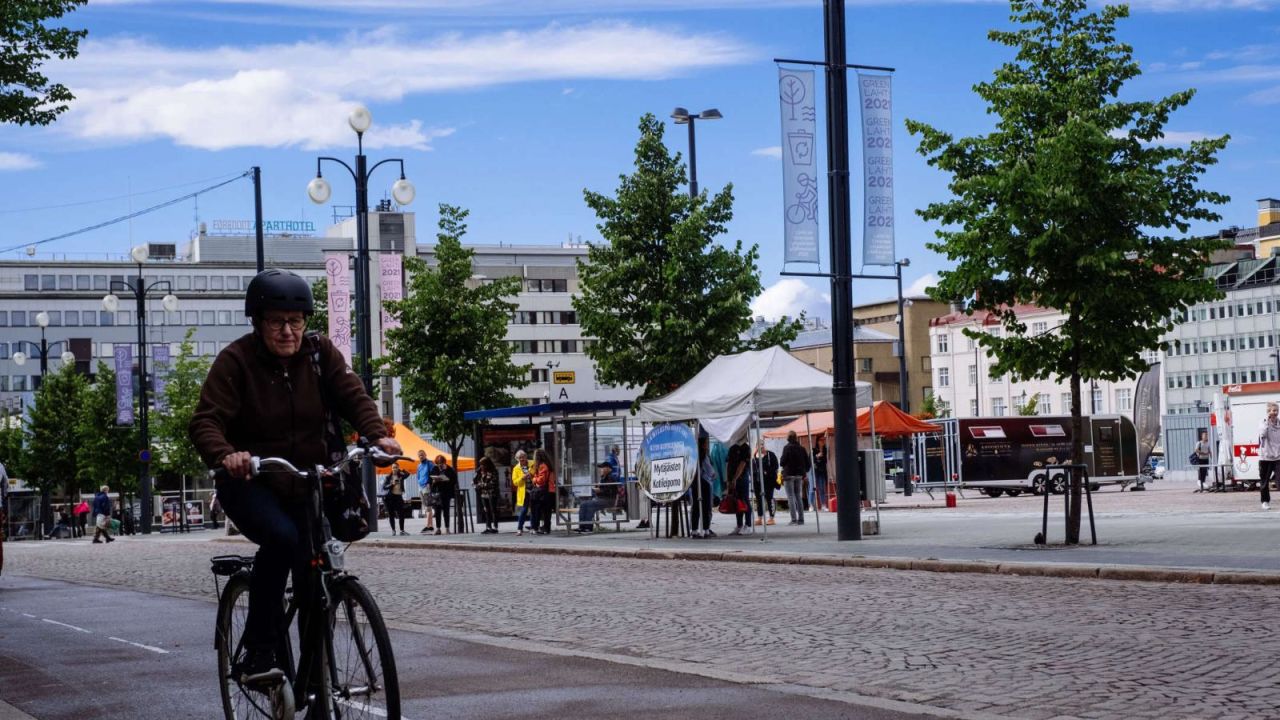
(1025, 647)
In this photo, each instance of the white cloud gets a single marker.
(773, 151)
(17, 161)
(922, 284)
(790, 297)
(1267, 96)
(300, 94)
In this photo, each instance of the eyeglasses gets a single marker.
(277, 324)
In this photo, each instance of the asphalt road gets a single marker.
(71, 651)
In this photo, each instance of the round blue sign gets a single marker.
(668, 461)
(144, 456)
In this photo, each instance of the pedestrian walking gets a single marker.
(764, 474)
(521, 477)
(444, 485)
(1202, 458)
(795, 466)
(424, 486)
(1268, 451)
(102, 515)
(486, 483)
(393, 499)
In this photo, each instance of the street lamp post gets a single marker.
(904, 395)
(111, 303)
(43, 349)
(403, 192)
(682, 117)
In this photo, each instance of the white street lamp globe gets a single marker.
(20, 358)
(140, 254)
(170, 302)
(42, 319)
(319, 191)
(68, 357)
(403, 191)
(110, 303)
(360, 119)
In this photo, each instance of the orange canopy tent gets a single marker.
(889, 422)
(411, 444)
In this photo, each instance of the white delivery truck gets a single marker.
(1244, 407)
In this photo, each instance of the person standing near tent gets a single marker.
(818, 493)
(393, 498)
(795, 466)
(764, 473)
(486, 483)
(736, 488)
(444, 483)
(520, 479)
(700, 510)
(425, 467)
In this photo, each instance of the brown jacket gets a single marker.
(252, 402)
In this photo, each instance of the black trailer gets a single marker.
(1010, 455)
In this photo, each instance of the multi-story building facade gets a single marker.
(962, 371)
(208, 275)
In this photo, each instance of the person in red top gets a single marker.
(544, 483)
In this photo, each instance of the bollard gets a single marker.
(951, 499)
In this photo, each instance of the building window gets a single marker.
(1044, 406)
(200, 282)
(31, 282)
(942, 345)
(944, 377)
(569, 317)
(1039, 328)
(233, 282)
(4, 383)
(48, 282)
(864, 365)
(55, 318)
(124, 317)
(4, 351)
(973, 407)
(71, 318)
(106, 350)
(208, 317)
(1066, 403)
(83, 282)
(1124, 399)
(184, 282)
(89, 318)
(190, 317)
(973, 375)
(66, 282)
(224, 317)
(100, 282)
(18, 318)
(538, 375)
(546, 285)
(215, 282)
(4, 318)
(998, 407)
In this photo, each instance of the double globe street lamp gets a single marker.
(140, 290)
(43, 349)
(682, 117)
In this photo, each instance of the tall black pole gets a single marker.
(144, 474)
(362, 307)
(257, 216)
(693, 161)
(44, 355)
(844, 389)
(904, 394)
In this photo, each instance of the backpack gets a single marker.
(343, 501)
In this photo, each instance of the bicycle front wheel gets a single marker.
(362, 669)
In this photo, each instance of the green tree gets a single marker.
(1072, 203)
(319, 320)
(12, 435)
(450, 351)
(108, 452)
(52, 446)
(1029, 407)
(174, 451)
(27, 40)
(934, 407)
(661, 297)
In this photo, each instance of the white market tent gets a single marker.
(733, 390)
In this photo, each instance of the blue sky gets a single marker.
(510, 108)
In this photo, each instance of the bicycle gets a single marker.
(345, 667)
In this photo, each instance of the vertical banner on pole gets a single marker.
(339, 279)
(391, 287)
(799, 166)
(876, 98)
(160, 373)
(124, 384)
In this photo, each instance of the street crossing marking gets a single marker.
(65, 625)
(139, 645)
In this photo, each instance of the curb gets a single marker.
(1195, 576)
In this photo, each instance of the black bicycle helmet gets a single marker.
(278, 290)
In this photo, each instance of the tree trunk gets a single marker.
(1077, 458)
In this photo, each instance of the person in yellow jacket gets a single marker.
(521, 474)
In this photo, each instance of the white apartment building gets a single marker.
(210, 272)
(961, 371)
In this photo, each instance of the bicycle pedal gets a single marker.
(267, 680)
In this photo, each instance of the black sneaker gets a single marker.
(257, 668)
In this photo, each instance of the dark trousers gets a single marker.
(489, 508)
(546, 504)
(1266, 471)
(277, 528)
(700, 508)
(442, 512)
(395, 510)
(764, 497)
(740, 496)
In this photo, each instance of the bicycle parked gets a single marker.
(344, 667)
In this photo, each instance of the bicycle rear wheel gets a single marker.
(238, 701)
(361, 665)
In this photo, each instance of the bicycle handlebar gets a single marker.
(259, 464)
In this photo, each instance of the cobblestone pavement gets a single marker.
(981, 645)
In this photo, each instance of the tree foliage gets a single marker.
(52, 445)
(1071, 202)
(450, 351)
(661, 297)
(12, 437)
(27, 40)
(108, 452)
(319, 320)
(175, 452)
(1030, 407)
